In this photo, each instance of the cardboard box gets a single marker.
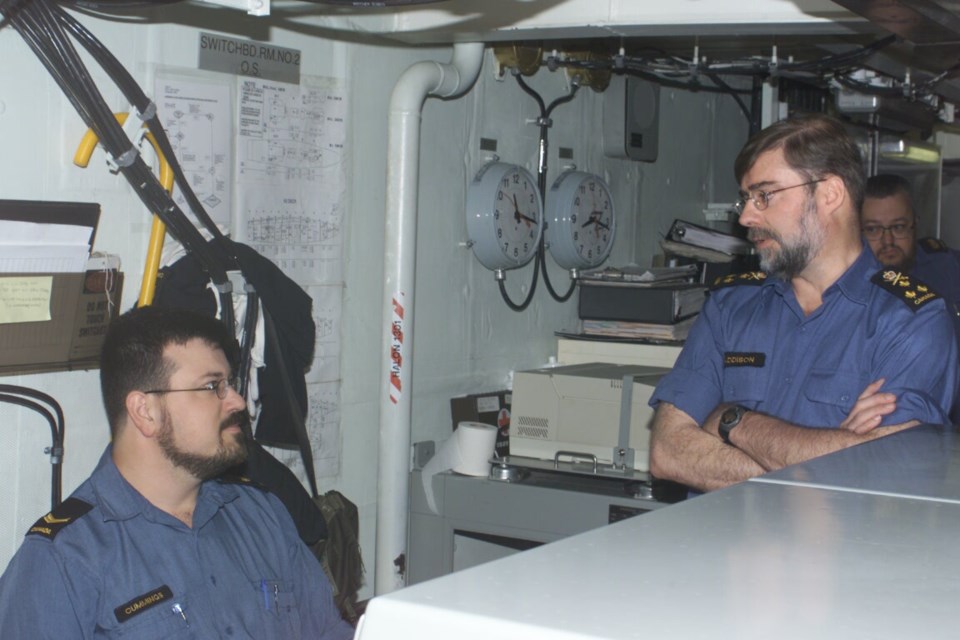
(489, 408)
(81, 306)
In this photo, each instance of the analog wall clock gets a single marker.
(504, 216)
(581, 222)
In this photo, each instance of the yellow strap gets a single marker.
(148, 286)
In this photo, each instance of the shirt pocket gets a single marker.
(167, 620)
(279, 607)
(745, 385)
(832, 394)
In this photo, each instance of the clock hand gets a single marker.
(593, 219)
(516, 209)
(527, 219)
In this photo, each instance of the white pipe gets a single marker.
(419, 81)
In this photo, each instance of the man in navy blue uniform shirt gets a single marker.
(889, 224)
(822, 350)
(151, 546)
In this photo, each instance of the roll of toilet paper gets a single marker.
(467, 451)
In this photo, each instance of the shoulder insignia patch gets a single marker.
(933, 245)
(50, 525)
(752, 277)
(913, 292)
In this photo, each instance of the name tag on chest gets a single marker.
(744, 359)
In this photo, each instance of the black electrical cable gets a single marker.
(372, 3)
(675, 84)
(56, 450)
(928, 85)
(221, 250)
(867, 88)
(107, 5)
(41, 23)
(133, 92)
(838, 60)
(249, 328)
(533, 287)
(740, 103)
(545, 124)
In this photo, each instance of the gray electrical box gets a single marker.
(631, 119)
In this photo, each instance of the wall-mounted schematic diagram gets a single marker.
(198, 120)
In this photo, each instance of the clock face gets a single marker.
(504, 216)
(582, 222)
(516, 214)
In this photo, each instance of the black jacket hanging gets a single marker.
(184, 285)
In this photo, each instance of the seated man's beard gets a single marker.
(232, 449)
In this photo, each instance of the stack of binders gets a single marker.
(659, 309)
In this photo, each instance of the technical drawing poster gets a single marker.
(291, 184)
(323, 429)
(198, 120)
(291, 175)
(326, 316)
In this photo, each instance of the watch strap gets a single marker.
(727, 425)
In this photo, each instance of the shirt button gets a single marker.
(844, 398)
(788, 379)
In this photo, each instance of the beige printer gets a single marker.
(577, 413)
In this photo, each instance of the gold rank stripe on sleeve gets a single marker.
(911, 291)
(51, 524)
(751, 277)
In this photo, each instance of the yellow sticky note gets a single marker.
(25, 299)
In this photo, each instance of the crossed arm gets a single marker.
(694, 455)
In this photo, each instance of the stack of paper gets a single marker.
(46, 237)
(639, 330)
(633, 273)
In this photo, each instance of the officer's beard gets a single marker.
(792, 257)
(232, 449)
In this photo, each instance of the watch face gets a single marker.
(517, 215)
(731, 416)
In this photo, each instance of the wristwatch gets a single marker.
(729, 419)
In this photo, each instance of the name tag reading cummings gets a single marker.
(744, 359)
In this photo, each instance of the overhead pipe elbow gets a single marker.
(440, 80)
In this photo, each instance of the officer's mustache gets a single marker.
(755, 234)
(237, 418)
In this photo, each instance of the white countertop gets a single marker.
(803, 554)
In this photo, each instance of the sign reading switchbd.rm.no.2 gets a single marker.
(249, 58)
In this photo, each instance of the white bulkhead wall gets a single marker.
(466, 338)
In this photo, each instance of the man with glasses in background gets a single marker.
(821, 350)
(151, 544)
(889, 223)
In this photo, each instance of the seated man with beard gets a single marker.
(150, 545)
(822, 350)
